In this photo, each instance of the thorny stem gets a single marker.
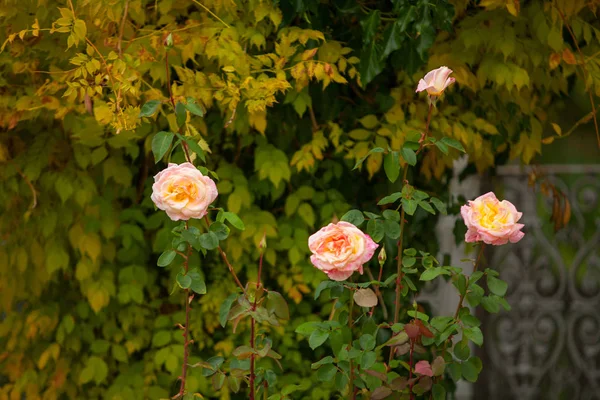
(224, 257)
(186, 328)
(350, 323)
(475, 267)
(462, 296)
(378, 292)
(252, 329)
(410, 364)
(401, 240)
(184, 145)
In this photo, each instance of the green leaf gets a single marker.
(161, 144)
(195, 147)
(277, 305)
(471, 369)
(220, 230)
(427, 207)
(490, 304)
(442, 146)
(307, 328)
(317, 338)
(362, 159)
(209, 241)
(149, 108)
(234, 220)
(409, 156)
(376, 229)
(392, 38)
(474, 335)
(391, 165)
(461, 350)
(326, 372)
(392, 229)
(367, 342)
(391, 215)
(410, 206)
(225, 307)
(161, 338)
(325, 285)
(323, 361)
(440, 205)
(455, 371)
(184, 281)
(453, 143)
(180, 114)
(370, 25)
(166, 258)
(433, 273)
(371, 63)
(392, 198)
(438, 391)
(497, 286)
(193, 107)
(119, 353)
(355, 217)
(198, 285)
(368, 359)
(307, 213)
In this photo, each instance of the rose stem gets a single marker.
(400, 241)
(410, 364)
(186, 327)
(252, 328)
(184, 145)
(224, 257)
(350, 324)
(462, 296)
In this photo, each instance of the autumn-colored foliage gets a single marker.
(281, 101)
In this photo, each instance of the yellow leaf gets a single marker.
(228, 68)
(548, 140)
(568, 56)
(359, 134)
(36, 28)
(80, 29)
(369, 121)
(513, 7)
(554, 60)
(557, 129)
(258, 120)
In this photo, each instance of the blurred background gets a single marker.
(294, 93)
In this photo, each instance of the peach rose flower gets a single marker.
(436, 81)
(491, 221)
(340, 249)
(183, 192)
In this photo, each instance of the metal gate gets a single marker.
(548, 346)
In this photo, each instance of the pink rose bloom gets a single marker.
(491, 221)
(183, 192)
(340, 249)
(423, 368)
(436, 81)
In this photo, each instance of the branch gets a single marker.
(585, 73)
(122, 29)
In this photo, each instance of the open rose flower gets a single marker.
(491, 221)
(340, 249)
(436, 81)
(183, 192)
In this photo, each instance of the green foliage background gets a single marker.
(295, 92)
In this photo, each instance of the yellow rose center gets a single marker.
(491, 215)
(181, 193)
